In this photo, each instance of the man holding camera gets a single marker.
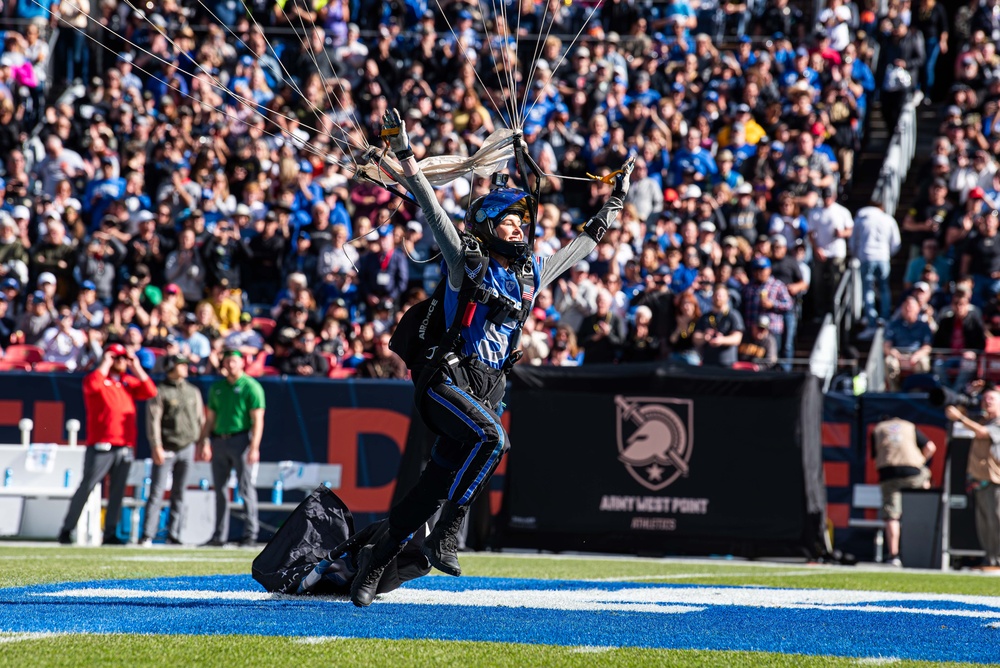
(983, 473)
(109, 396)
(174, 418)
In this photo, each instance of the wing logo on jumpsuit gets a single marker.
(655, 438)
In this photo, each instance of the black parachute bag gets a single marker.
(320, 533)
(419, 331)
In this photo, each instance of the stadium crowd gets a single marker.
(179, 181)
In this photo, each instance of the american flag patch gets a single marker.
(528, 293)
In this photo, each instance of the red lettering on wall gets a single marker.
(49, 422)
(346, 425)
(11, 412)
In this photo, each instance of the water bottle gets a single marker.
(203, 484)
(277, 492)
(68, 478)
(8, 475)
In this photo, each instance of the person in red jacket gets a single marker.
(109, 397)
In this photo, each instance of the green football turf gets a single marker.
(32, 564)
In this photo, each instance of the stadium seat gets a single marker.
(341, 373)
(993, 345)
(255, 365)
(263, 325)
(158, 352)
(23, 353)
(6, 365)
(270, 371)
(745, 366)
(50, 367)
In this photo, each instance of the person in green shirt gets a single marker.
(230, 440)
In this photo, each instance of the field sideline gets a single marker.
(199, 607)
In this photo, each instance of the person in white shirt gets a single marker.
(830, 226)
(875, 240)
(63, 343)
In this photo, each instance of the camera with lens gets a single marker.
(943, 396)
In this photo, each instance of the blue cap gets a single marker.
(10, 284)
(3, 184)
(304, 235)
(38, 296)
(801, 51)
(712, 96)
(464, 15)
(246, 61)
(777, 147)
(745, 39)
(306, 167)
(88, 285)
(678, 87)
(206, 193)
(761, 263)
(135, 327)
(778, 35)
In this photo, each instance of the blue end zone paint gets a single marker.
(916, 629)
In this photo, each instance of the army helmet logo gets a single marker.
(655, 437)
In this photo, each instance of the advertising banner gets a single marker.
(663, 458)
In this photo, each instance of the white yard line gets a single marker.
(22, 637)
(688, 576)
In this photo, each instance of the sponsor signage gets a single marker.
(686, 468)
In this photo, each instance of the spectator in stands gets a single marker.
(576, 297)
(383, 363)
(602, 333)
(109, 396)
(382, 272)
(245, 338)
(195, 345)
(981, 258)
(766, 295)
(183, 267)
(760, 348)
(929, 256)
(13, 255)
(682, 339)
(719, 332)
(907, 343)
(38, 316)
(928, 218)
(961, 331)
(304, 359)
(63, 343)
(874, 241)
(785, 269)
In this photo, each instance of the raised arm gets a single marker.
(441, 226)
(593, 230)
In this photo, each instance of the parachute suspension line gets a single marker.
(353, 119)
(216, 81)
(469, 60)
(312, 149)
(566, 51)
(517, 33)
(305, 35)
(493, 55)
(543, 35)
(509, 61)
(289, 80)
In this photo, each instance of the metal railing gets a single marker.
(824, 361)
(899, 156)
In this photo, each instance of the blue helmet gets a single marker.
(487, 211)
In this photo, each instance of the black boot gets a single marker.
(441, 546)
(372, 560)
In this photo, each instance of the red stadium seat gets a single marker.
(6, 365)
(255, 365)
(993, 345)
(50, 367)
(745, 366)
(23, 353)
(271, 371)
(342, 373)
(263, 325)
